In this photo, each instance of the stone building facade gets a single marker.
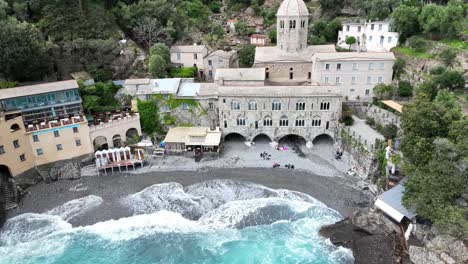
(219, 60)
(292, 62)
(279, 111)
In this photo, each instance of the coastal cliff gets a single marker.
(372, 238)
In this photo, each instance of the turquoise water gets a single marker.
(274, 229)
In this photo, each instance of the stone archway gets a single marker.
(132, 133)
(292, 139)
(261, 138)
(117, 141)
(323, 139)
(100, 143)
(323, 143)
(8, 192)
(234, 137)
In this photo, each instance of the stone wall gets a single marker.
(279, 72)
(254, 119)
(203, 115)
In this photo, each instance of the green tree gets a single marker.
(379, 9)
(247, 56)
(23, 55)
(157, 66)
(417, 43)
(448, 56)
(398, 68)
(383, 91)
(405, 89)
(3, 9)
(430, 19)
(149, 116)
(272, 36)
(331, 31)
(350, 41)
(454, 19)
(241, 28)
(405, 20)
(100, 97)
(162, 50)
(452, 80)
(331, 7)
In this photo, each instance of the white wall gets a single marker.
(368, 36)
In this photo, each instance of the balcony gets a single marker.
(36, 126)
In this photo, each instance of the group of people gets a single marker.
(265, 156)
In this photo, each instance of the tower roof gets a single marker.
(293, 8)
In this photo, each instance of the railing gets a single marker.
(116, 122)
(55, 123)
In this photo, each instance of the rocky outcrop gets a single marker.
(66, 171)
(444, 249)
(2, 207)
(371, 237)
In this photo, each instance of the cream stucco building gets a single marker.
(44, 123)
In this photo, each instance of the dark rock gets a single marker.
(374, 249)
(371, 237)
(3, 215)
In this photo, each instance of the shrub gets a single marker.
(417, 44)
(7, 84)
(348, 120)
(383, 91)
(346, 115)
(437, 70)
(370, 121)
(185, 72)
(405, 89)
(448, 56)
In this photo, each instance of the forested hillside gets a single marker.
(46, 40)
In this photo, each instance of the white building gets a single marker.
(354, 73)
(370, 36)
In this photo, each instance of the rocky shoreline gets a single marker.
(372, 238)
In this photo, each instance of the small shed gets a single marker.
(189, 139)
(391, 203)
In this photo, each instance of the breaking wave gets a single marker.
(209, 222)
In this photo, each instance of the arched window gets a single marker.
(300, 122)
(325, 106)
(14, 128)
(284, 122)
(282, 24)
(235, 105)
(300, 106)
(253, 105)
(316, 122)
(267, 121)
(240, 121)
(276, 106)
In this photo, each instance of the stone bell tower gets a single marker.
(292, 26)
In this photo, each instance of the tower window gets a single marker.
(303, 24)
(291, 76)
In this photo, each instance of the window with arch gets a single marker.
(300, 106)
(282, 24)
(303, 22)
(267, 73)
(267, 121)
(292, 24)
(325, 106)
(253, 105)
(240, 121)
(14, 128)
(235, 105)
(316, 122)
(276, 106)
(284, 122)
(300, 122)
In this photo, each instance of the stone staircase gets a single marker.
(11, 194)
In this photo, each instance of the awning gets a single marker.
(391, 203)
(212, 139)
(394, 105)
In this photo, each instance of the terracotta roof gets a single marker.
(258, 36)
